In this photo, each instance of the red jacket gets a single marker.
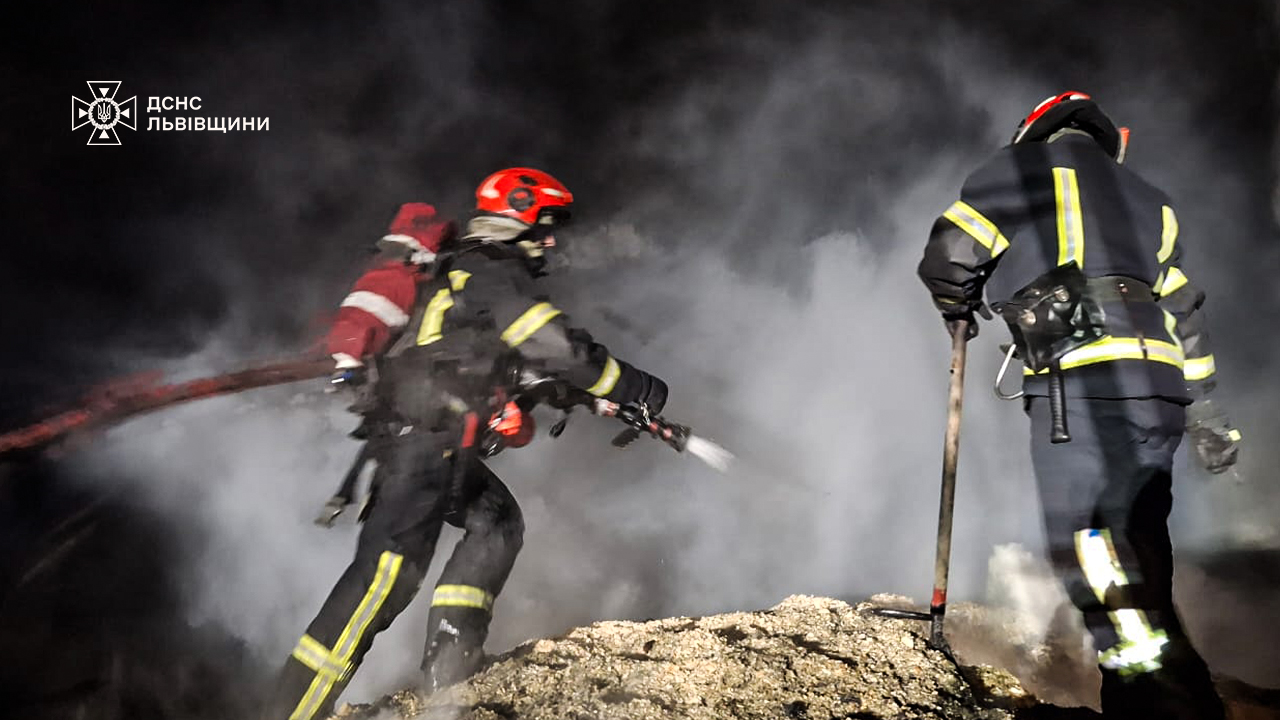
(380, 303)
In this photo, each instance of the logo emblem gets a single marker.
(103, 112)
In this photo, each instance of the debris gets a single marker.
(808, 658)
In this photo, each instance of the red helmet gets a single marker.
(528, 195)
(1073, 110)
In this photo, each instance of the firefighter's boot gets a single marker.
(1181, 689)
(455, 645)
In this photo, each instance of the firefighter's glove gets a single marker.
(652, 399)
(953, 326)
(653, 393)
(1216, 442)
(637, 416)
(952, 320)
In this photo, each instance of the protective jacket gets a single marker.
(1036, 206)
(482, 326)
(474, 334)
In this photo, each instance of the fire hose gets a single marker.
(118, 402)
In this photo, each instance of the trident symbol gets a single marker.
(104, 112)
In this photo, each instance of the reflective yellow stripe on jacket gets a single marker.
(608, 378)
(1066, 191)
(1168, 234)
(1199, 368)
(978, 227)
(432, 325)
(1169, 282)
(529, 323)
(1113, 348)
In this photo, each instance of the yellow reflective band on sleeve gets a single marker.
(462, 596)
(1168, 235)
(529, 323)
(458, 279)
(1199, 368)
(433, 318)
(1066, 192)
(383, 580)
(1112, 348)
(608, 378)
(978, 227)
(1171, 327)
(1173, 280)
(1234, 434)
(1141, 645)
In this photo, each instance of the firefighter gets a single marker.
(460, 359)
(1082, 258)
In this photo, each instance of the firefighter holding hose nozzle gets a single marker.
(462, 344)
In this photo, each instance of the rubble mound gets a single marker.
(808, 658)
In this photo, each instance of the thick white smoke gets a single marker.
(814, 356)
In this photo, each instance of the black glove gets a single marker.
(653, 395)
(653, 392)
(1216, 442)
(952, 317)
(953, 325)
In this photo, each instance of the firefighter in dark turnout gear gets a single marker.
(470, 354)
(1056, 201)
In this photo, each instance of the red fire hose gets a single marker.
(120, 401)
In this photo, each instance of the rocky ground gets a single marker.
(808, 658)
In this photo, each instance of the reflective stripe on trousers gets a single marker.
(1140, 645)
(334, 665)
(462, 596)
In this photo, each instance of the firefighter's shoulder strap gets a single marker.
(435, 297)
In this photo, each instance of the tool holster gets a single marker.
(1048, 318)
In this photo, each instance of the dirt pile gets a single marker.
(807, 658)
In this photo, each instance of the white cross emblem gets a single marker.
(103, 112)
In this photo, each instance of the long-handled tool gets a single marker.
(946, 510)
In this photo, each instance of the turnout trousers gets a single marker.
(1106, 497)
(412, 482)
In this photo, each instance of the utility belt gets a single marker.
(1058, 312)
(1120, 288)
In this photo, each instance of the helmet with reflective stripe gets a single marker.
(528, 195)
(1077, 111)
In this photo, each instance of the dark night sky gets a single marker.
(126, 247)
(121, 258)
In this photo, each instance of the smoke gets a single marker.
(755, 187)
